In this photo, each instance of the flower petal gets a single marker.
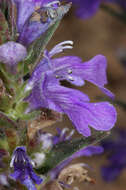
(89, 151)
(72, 69)
(100, 116)
(50, 94)
(25, 8)
(11, 53)
(36, 179)
(39, 22)
(29, 184)
(15, 175)
(93, 71)
(41, 97)
(32, 31)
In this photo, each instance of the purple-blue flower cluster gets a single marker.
(116, 150)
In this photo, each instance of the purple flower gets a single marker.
(48, 93)
(117, 156)
(35, 17)
(11, 53)
(23, 169)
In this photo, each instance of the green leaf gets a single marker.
(21, 92)
(62, 151)
(30, 116)
(6, 122)
(37, 48)
(4, 30)
(19, 112)
(21, 107)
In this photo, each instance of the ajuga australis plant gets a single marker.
(32, 97)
